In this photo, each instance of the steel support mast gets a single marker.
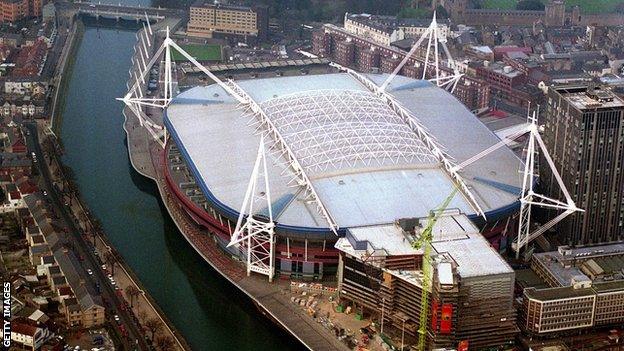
(441, 78)
(528, 196)
(255, 234)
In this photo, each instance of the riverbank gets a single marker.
(145, 307)
(63, 71)
(148, 158)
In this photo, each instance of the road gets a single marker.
(82, 248)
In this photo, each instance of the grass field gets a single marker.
(499, 4)
(199, 52)
(587, 6)
(595, 6)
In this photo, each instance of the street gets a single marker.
(112, 301)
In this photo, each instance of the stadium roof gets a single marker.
(366, 165)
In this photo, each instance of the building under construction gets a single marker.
(471, 295)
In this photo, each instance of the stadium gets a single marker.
(369, 159)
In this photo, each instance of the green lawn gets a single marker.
(595, 6)
(587, 6)
(500, 4)
(211, 52)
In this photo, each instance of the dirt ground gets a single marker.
(84, 339)
(322, 307)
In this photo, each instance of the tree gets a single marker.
(164, 342)
(109, 257)
(153, 325)
(132, 292)
(441, 12)
(530, 5)
(409, 12)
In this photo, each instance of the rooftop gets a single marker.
(389, 23)
(567, 263)
(454, 236)
(584, 98)
(363, 160)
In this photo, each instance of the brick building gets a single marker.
(15, 10)
(366, 55)
(208, 20)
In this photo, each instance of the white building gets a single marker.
(387, 29)
(29, 336)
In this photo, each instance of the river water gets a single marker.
(209, 312)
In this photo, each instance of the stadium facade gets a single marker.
(376, 177)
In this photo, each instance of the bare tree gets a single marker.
(164, 342)
(152, 325)
(109, 257)
(132, 292)
(142, 315)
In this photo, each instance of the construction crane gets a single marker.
(424, 242)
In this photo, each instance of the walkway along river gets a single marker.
(204, 307)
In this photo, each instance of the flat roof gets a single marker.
(362, 160)
(609, 257)
(558, 293)
(454, 235)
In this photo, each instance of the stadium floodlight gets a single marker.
(435, 38)
(254, 232)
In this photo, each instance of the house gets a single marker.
(15, 164)
(36, 240)
(13, 195)
(85, 309)
(29, 336)
(11, 39)
(39, 317)
(16, 142)
(35, 253)
(26, 186)
(58, 282)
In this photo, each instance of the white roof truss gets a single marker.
(422, 134)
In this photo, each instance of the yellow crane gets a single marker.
(424, 242)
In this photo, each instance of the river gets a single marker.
(209, 312)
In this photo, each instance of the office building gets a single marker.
(213, 20)
(584, 133)
(585, 290)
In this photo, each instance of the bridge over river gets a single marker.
(119, 11)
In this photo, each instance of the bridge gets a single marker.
(113, 11)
